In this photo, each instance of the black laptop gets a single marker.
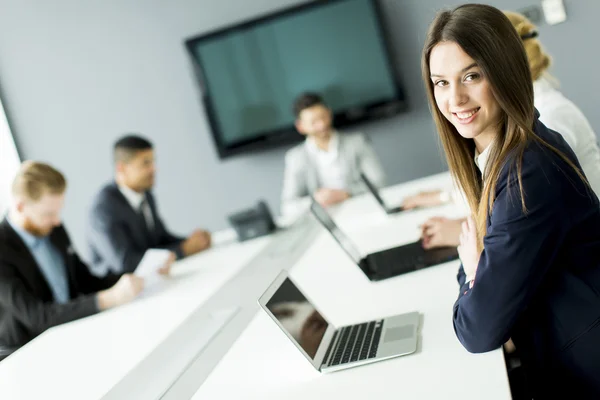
(375, 192)
(390, 262)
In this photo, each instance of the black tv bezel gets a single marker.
(289, 135)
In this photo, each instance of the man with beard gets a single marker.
(43, 282)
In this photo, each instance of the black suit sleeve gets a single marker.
(86, 282)
(89, 283)
(111, 239)
(166, 239)
(35, 314)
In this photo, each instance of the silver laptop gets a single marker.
(329, 348)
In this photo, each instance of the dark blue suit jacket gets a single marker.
(538, 280)
(117, 237)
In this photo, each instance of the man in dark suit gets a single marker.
(124, 220)
(43, 282)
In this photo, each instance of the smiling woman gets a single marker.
(463, 95)
(9, 160)
(530, 256)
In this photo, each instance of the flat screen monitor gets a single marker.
(250, 74)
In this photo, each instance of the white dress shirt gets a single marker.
(139, 203)
(481, 159)
(561, 115)
(330, 167)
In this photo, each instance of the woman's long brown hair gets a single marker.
(488, 37)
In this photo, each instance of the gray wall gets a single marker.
(77, 74)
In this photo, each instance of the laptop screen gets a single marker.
(321, 214)
(298, 317)
(372, 189)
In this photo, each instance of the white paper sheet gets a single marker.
(153, 260)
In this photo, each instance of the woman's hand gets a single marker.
(467, 250)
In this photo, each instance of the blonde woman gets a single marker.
(556, 111)
(531, 252)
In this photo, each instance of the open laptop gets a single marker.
(375, 192)
(330, 348)
(385, 263)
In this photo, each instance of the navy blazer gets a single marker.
(538, 279)
(27, 306)
(117, 237)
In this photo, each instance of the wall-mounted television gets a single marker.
(249, 74)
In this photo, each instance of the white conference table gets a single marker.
(264, 364)
(111, 355)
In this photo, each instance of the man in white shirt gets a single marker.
(328, 164)
(124, 220)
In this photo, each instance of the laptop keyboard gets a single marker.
(357, 342)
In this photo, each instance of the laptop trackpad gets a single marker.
(398, 333)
